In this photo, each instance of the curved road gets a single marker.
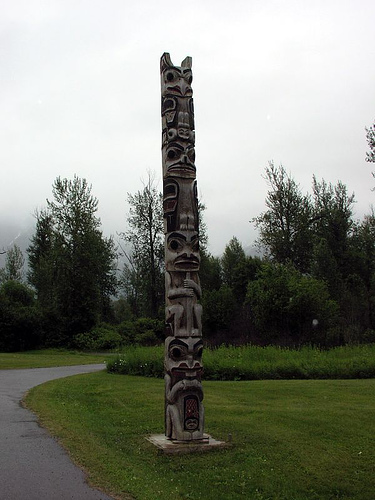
(33, 465)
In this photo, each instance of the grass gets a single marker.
(47, 358)
(292, 440)
(259, 363)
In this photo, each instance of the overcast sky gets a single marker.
(288, 81)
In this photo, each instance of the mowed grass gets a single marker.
(291, 439)
(47, 358)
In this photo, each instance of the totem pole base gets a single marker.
(172, 447)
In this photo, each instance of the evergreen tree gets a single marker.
(14, 262)
(232, 257)
(72, 266)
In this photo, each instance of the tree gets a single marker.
(362, 275)
(232, 257)
(72, 266)
(14, 263)
(333, 207)
(285, 228)
(210, 271)
(290, 307)
(370, 136)
(42, 272)
(143, 277)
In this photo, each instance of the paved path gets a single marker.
(33, 466)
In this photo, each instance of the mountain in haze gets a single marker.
(14, 234)
(254, 251)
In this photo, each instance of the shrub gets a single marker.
(20, 318)
(142, 331)
(100, 338)
(286, 303)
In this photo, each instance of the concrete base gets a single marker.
(170, 447)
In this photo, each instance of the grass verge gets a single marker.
(292, 440)
(259, 363)
(47, 358)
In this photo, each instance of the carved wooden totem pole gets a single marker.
(184, 413)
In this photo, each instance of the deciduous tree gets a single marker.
(285, 227)
(370, 136)
(143, 277)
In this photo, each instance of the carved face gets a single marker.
(179, 159)
(182, 251)
(176, 81)
(184, 357)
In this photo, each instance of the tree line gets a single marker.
(314, 284)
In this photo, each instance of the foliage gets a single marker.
(288, 305)
(142, 278)
(210, 271)
(232, 257)
(141, 331)
(14, 262)
(370, 136)
(219, 308)
(285, 227)
(282, 431)
(20, 319)
(318, 236)
(72, 266)
(121, 310)
(245, 271)
(100, 338)
(334, 222)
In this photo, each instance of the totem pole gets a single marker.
(184, 413)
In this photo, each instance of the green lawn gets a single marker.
(47, 358)
(292, 439)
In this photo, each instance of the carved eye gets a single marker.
(174, 245)
(199, 352)
(195, 246)
(171, 154)
(176, 353)
(170, 76)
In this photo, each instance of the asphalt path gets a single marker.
(33, 466)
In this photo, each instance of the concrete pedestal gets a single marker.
(171, 447)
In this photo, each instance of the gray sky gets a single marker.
(289, 81)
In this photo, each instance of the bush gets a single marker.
(288, 304)
(100, 338)
(142, 331)
(20, 318)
